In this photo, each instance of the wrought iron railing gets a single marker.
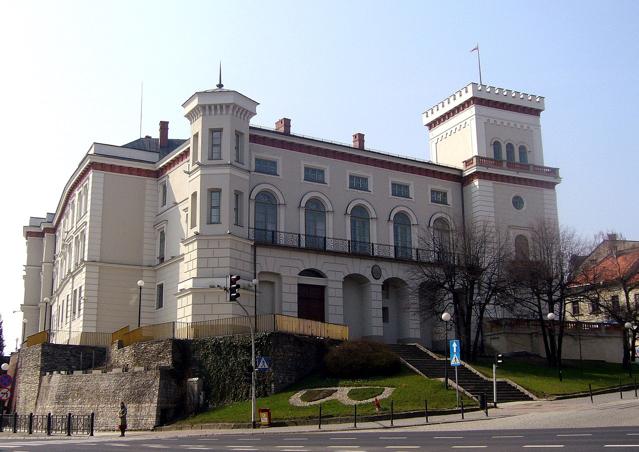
(330, 244)
(51, 424)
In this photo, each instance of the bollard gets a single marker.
(68, 424)
(319, 424)
(392, 413)
(15, 422)
(30, 424)
(355, 417)
(92, 424)
(49, 424)
(590, 390)
(2, 421)
(485, 405)
(462, 409)
(635, 387)
(620, 390)
(426, 409)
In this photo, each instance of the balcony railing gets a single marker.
(527, 167)
(353, 247)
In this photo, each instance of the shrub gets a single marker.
(354, 359)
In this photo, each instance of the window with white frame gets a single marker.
(75, 303)
(161, 245)
(239, 147)
(193, 210)
(215, 206)
(80, 299)
(439, 196)
(316, 175)
(266, 166)
(400, 190)
(163, 194)
(159, 296)
(215, 151)
(356, 182)
(195, 145)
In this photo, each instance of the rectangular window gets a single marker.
(215, 152)
(75, 303)
(237, 208)
(79, 300)
(161, 246)
(193, 211)
(314, 175)
(266, 166)
(400, 190)
(163, 194)
(614, 301)
(239, 147)
(195, 156)
(594, 308)
(358, 182)
(439, 197)
(67, 307)
(575, 308)
(159, 296)
(214, 206)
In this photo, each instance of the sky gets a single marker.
(71, 74)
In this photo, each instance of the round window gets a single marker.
(518, 202)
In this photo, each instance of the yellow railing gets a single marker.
(229, 327)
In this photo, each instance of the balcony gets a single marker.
(521, 167)
(348, 247)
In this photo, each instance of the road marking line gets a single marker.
(343, 445)
(344, 437)
(539, 446)
(621, 445)
(292, 447)
(448, 437)
(155, 446)
(507, 436)
(402, 447)
(294, 439)
(632, 434)
(576, 434)
(469, 447)
(392, 437)
(248, 439)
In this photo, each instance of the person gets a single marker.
(122, 416)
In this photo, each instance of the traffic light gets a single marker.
(234, 287)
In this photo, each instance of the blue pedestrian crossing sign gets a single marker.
(455, 353)
(263, 363)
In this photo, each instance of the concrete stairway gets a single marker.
(471, 382)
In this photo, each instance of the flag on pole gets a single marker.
(475, 48)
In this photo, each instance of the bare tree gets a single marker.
(464, 274)
(539, 284)
(605, 279)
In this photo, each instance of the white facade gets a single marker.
(330, 231)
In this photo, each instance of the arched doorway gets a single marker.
(311, 292)
(355, 293)
(395, 310)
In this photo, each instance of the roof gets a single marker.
(620, 265)
(153, 144)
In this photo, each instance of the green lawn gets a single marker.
(410, 391)
(544, 381)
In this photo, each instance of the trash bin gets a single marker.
(265, 417)
(482, 401)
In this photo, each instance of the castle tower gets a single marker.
(494, 135)
(218, 190)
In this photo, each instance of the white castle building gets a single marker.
(329, 231)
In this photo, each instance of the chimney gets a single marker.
(164, 134)
(358, 140)
(283, 126)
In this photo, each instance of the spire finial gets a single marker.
(219, 84)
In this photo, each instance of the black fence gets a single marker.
(51, 424)
(317, 243)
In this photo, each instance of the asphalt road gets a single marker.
(382, 440)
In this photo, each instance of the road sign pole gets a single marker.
(457, 386)
(495, 385)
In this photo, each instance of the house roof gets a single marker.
(153, 144)
(623, 264)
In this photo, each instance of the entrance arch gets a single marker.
(395, 310)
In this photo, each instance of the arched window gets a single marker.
(497, 151)
(265, 217)
(510, 152)
(441, 239)
(315, 221)
(360, 230)
(402, 236)
(522, 249)
(523, 154)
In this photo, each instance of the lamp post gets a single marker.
(3, 408)
(140, 285)
(47, 300)
(24, 329)
(551, 318)
(630, 328)
(446, 319)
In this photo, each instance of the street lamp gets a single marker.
(630, 328)
(47, 300)
(140, 285)
(4, 367)
(551, 318)
(446, 319)
(24, 328)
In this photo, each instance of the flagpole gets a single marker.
(478, 61)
